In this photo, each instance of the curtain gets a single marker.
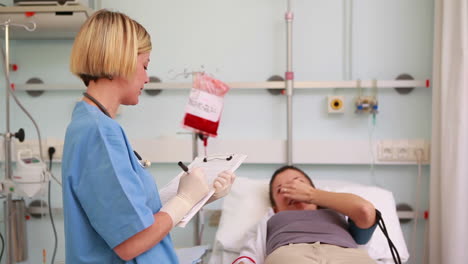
(448, 228)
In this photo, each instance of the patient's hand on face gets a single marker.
(298, 190)
(291, 190)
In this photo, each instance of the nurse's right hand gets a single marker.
(192, 188)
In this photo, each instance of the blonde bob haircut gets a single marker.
(107, 46)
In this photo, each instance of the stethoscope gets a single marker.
(144, 163)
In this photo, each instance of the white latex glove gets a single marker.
(192, 188)
(222, 185)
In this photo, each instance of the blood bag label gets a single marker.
(204, 105)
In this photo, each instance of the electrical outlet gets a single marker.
(402, 153)
(401, 148)
(413, 150)
(33, 146)
(418, 150)
(58, 145)
(385, 151)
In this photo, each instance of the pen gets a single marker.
(137, 155)
(182, 165)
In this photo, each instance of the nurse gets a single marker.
(112, 209)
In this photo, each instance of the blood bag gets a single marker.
(205, 105)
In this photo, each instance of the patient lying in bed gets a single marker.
(308, 225)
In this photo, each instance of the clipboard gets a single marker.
(212, 165)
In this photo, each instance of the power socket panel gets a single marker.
(404, 150)
(33, 146)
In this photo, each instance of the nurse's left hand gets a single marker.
(222, 185)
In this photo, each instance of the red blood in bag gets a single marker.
(201, 124)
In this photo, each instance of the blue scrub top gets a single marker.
(107, 196)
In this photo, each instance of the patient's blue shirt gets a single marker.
(309, 226)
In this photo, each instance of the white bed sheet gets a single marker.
(248, 202)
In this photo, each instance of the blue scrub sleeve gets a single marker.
(360, 235)
(110, 191)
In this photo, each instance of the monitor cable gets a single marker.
(393, 249)
(51, 152)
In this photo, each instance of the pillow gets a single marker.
(242, 209)
(248, 202)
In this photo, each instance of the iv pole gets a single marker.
(289, 16)
(197, 228)
(7, 143)
(9, 213)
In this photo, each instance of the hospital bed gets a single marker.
(192, 255)
(248, 202)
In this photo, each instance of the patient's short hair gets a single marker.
(280, 170)
(108, 45)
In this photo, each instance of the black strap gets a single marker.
(393, 249)
(94, 100)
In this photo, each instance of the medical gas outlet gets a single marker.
(335, 104)
(367, 104)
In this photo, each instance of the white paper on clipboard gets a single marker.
(212, 166)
